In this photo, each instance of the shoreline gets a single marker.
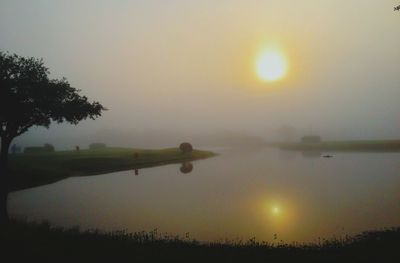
(42, 241)
(355, 145)
(36, 169)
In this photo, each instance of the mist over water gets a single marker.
(187, 68)
(238, 195)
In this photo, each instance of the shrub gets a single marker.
(186, 147)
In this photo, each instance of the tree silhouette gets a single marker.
(186, 147)
(28, 97)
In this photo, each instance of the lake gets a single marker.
(269, 194)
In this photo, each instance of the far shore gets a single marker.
(35, 169)
(355, 145)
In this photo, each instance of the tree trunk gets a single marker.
(4, 180)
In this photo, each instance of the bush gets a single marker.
(94, 146)
(186, 147)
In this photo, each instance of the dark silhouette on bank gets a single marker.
(186, 147)
(28, 97)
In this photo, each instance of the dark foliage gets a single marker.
(186, 147)
(44, 243)
(28, 97)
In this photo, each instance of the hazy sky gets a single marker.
(189, 65)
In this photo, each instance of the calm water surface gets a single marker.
(238, 194)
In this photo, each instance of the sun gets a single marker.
(275, 210)
(271, 66)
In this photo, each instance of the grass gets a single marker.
(41, 242)
(357, 145)
(28, 170)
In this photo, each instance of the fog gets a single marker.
(174, 70)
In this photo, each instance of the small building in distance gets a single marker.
(311, 139)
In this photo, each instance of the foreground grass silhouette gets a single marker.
(34, 169)
(41, 242)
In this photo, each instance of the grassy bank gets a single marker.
(372, 145)
(28, 170)
(40, 242)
